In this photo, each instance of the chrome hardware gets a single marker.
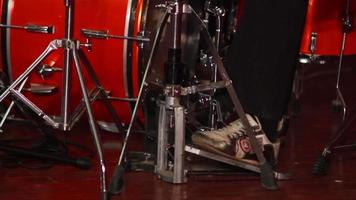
(312, 46)
(126, 99)
(40, 29)
(217, 11)
(106, 126)
(347, 24)
(169, 6)
(87, 44)
(103, 34)
(46, 70)
(177, 90)
(97, 34)
(187, 9)
(32, 28)
(142, 34)
(206, 60)
(347, 20)
(36, 88)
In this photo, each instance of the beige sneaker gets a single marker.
(232, 141)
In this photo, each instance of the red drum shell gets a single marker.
(114, 61)
(324, 17)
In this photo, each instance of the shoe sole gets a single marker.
(214, 150)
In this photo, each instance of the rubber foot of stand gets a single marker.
(267, 177)
(83, 163)
(105, 196)
(117, 182)
(319, 168)
(336, 106)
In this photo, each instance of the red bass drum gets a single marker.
(116, 62)
(323, 28)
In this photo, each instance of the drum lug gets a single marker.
(31, 28)
(169, 5)
(87, 44)
(98, 34)
(104, 35)
(142, 34)
(46, 70)
(313, 38)
(40, 29)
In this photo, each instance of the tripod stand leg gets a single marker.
(92, 124)
(116, 181)
(339, 102)
(54, 44)
(267, 176)
(8, 110)
(321, 163)
(103, 95)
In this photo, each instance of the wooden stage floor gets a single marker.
(307, 135)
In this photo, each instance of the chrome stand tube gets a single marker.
(8, 110)
(92, 124)
(116, 182)
(347, 26)
(66, 77)
(172, 169)
(339, 102)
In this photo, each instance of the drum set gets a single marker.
(120, 46)
(39, 71)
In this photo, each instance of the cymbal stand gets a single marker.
(172, 113)
(347, 27)
(73, 54)
(321, 164)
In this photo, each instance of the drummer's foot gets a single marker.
(232, 141)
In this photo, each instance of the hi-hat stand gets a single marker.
(73, 54)
(321, 164)
(172, 112)
(347, 26)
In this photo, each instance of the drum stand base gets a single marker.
(72, 54)
(48, 140)
(320, 165)
(88, 97)
(338, 104)
(347, 26)
(334, 144)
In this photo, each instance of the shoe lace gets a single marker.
(237, 129)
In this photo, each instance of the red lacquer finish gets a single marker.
(324, 17)
(108, 57)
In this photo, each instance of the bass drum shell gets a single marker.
(119, 64)
(115, 62)
(324, 17)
